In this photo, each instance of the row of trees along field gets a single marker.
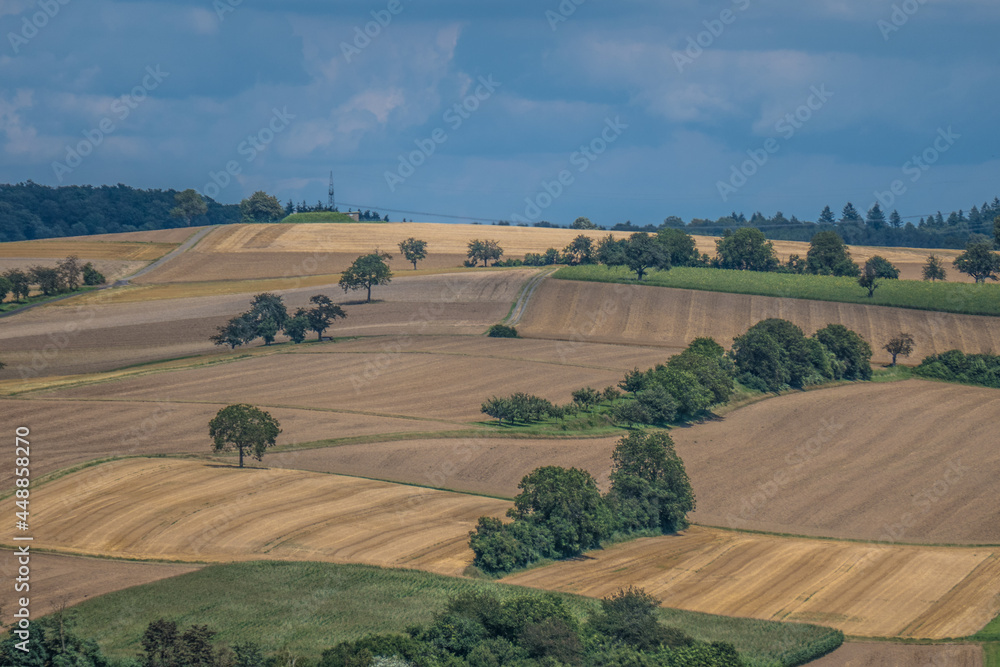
(68, 275)
(474, 629)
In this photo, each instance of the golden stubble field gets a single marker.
(197, 511)
(862, 589)
(646, 315)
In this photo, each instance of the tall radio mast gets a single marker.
(331, 202)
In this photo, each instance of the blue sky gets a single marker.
(692, 108)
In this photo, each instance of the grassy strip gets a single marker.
(991, 655)
(991, 633)
(307, 607)
(963, 298)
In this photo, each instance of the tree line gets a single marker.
(474, 629)
(68, 275)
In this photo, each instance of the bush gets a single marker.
(92, 276)
(955, 366)
(775, 354)
(850, 349)
(883, 268)
(502, 331)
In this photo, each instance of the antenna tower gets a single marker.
(331, 202)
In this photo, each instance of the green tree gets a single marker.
(875, 218)
(849, 348)
(894, 220)
(629, 616)
(484, 251)
(91, 276)
(580, 250)
(582, 223)
(323, 313)
(297, 326)
(261, 207)
(996, 232)
(587, 397)
(20, 283)
(826, 217)
(934, 269)
(611, 252)
(643, 253)
(884, 268)
(189, 205)
(413, 250)
(979, 261)
(240, 330)
(850, 215)
(245, 428)
(900, 344)
(366, 272)
(869, 278)
(828, 256)
(70, 273)
(568, 504)
(630, 413)
(650, 488)
(269, 315)
(746, 249)
(48, 279)
(5, 288)
(680, 247)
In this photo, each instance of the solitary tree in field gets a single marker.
(322, 314)
(190, 205)
(979, 261)
(245, 428)
(413, 250)
(484, 251)
(261, 207)
(583, 223)
(900, 344)
(366, 272)
(869, 278)
(934, 269)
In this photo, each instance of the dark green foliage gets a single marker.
(190, 205)
(650, 489)
(630, 413)
(634, 382)
(413, 250)
(934, 269)
(238, 331)
(502, 331)
(956, 366)
(20, 283)
(883, 268)
(323, 313)
(92, 276)
(5, 287)
(658, 406)
(261, 207)
(579, 251)
(746, 249)
(519, 407)
(610, 251)
(483, 251)
(53, 642)
(244, 428)
(629, 616)
(366, 272)
(297, 326)
(850, 349)
(642, 252)
(247, 654)
(568, 504)
(828, 256)
(679, 247)
(587, 397)
(979, 261)
(48, 279)
(268, 306)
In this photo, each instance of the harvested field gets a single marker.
(144, 331)
(57, 579)
(885, 654)
(188, 510)
(111, 268)
(414, 385)
(74, 432)
(177, 235)
(62, 248)
(863, 589)
(484, 465)
(911, 461)
(610, 313)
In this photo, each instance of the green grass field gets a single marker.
(991, 633)
(318, 216)
(308, 607)
(991, 655)
(964, 298)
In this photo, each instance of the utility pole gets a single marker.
(331, 202)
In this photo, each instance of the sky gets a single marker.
(448, 110)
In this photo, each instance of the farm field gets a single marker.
(862, 461)
(144, 331)
(861, 589)
(476, 464)
(241, 601)
(612, 313)
(425, 386)
(884, 654)
(60, 579)
(113, 269)
(199, 511)
(87, 248)
(75, 432)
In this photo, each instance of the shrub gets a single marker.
(502, 331)
(849, 348)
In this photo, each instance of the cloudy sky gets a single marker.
(512, 109)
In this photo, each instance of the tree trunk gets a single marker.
(369, 293)
(241, 457)
(414, 265)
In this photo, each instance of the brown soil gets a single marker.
(884, 654)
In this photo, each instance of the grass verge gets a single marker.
(962, 298)
(308, 607)
(991, 655)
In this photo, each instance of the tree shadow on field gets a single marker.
(362, 302)
(235, 466)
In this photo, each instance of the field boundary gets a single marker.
(520, 305)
